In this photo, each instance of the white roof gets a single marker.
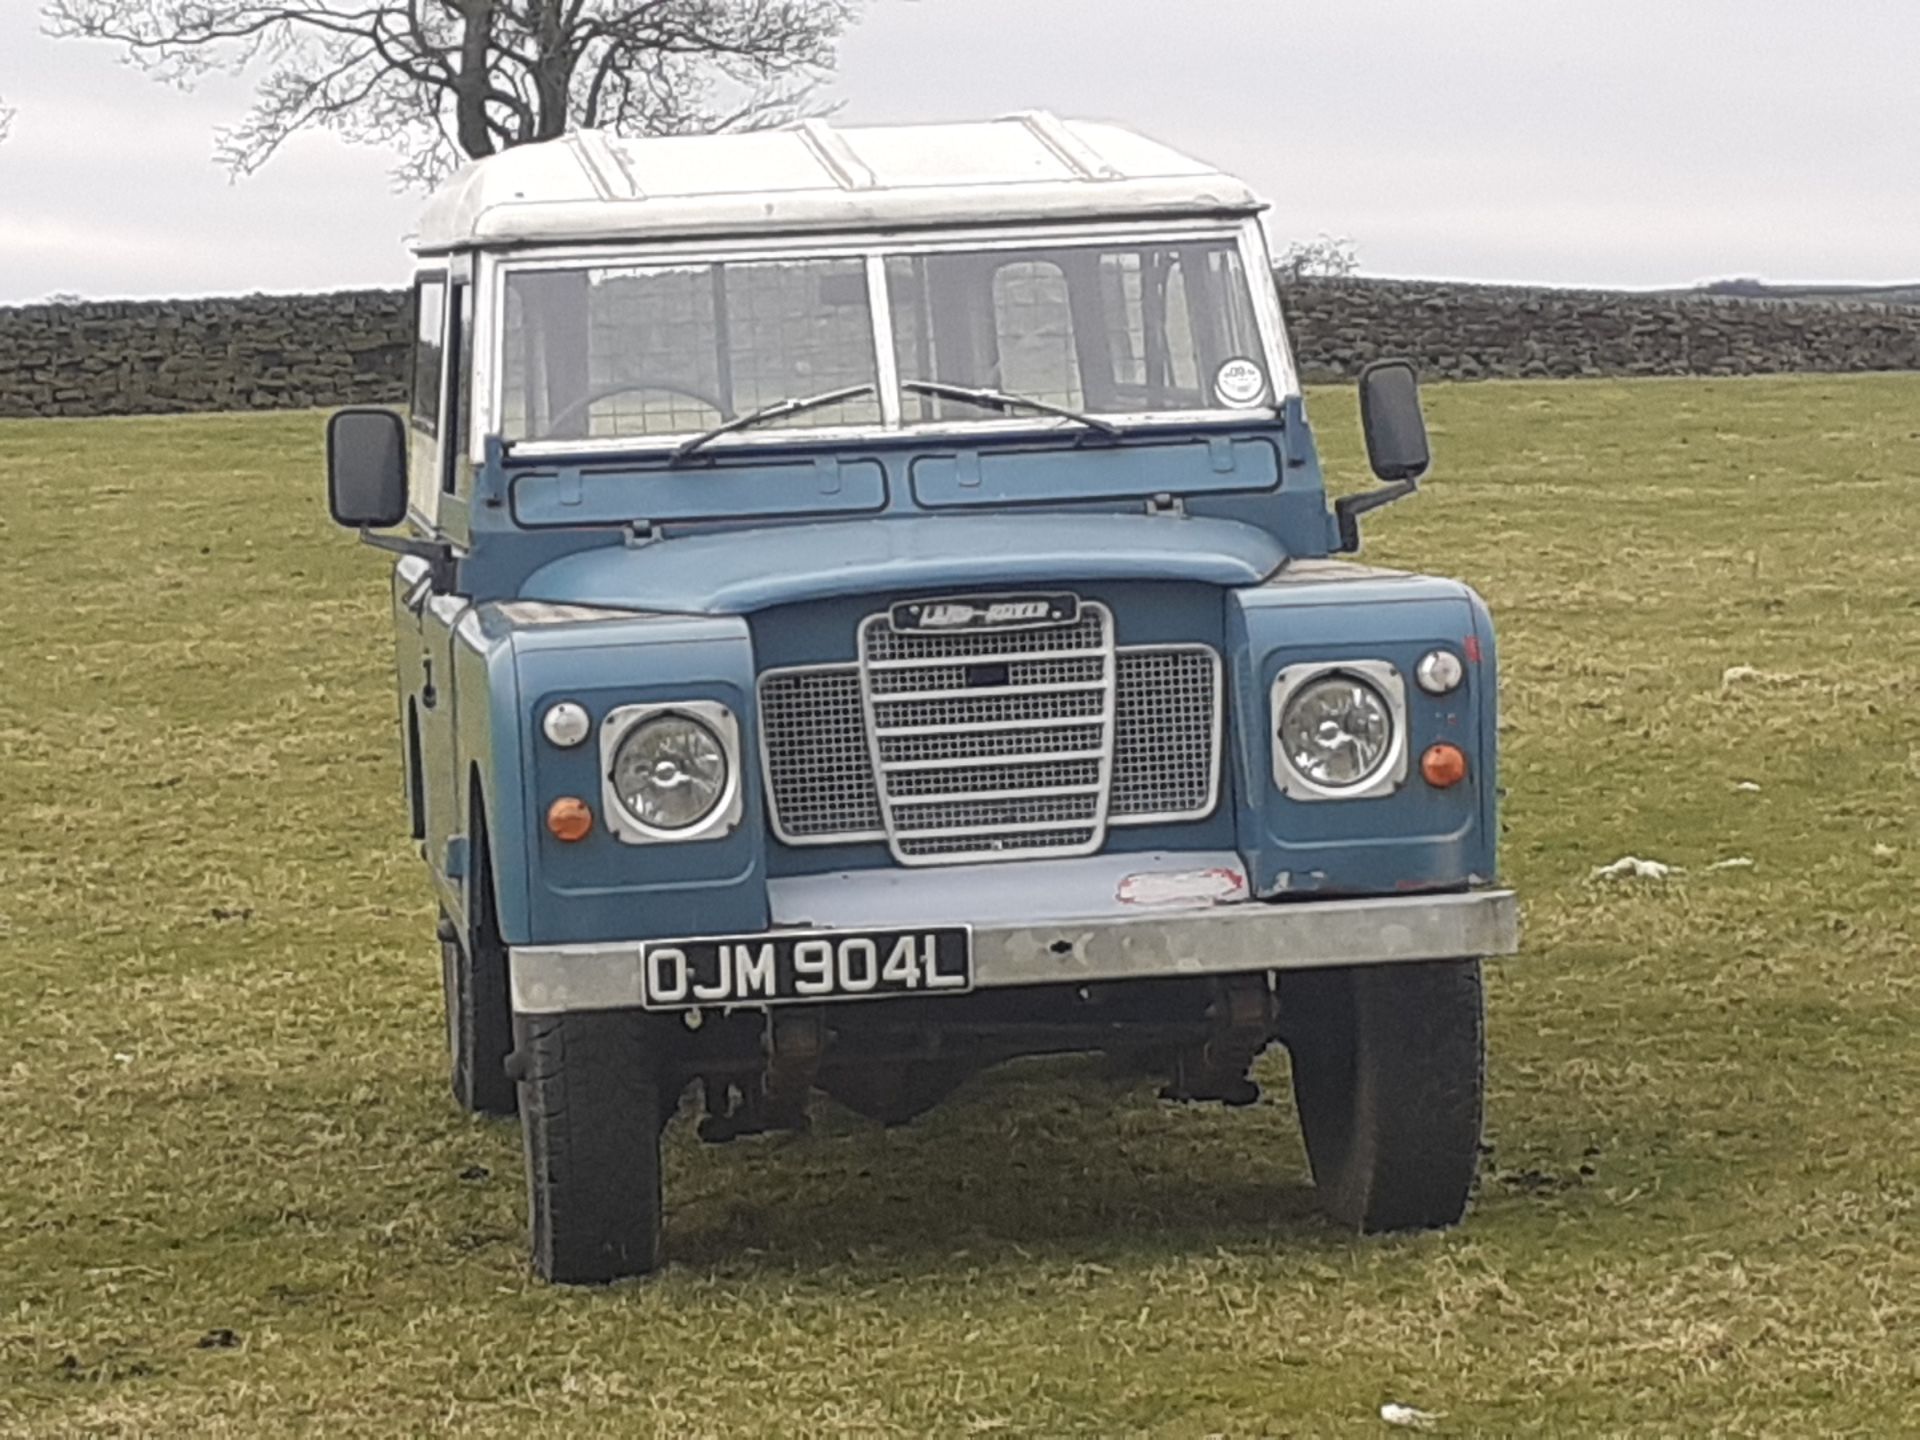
(817, 177)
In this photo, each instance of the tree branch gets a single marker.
(435, 80)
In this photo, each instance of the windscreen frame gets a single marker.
(875, 250)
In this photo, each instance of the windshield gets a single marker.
(1134, 329)
(1109, 329)
(647, 350)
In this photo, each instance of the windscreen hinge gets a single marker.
(641, 532)
(1165, 504)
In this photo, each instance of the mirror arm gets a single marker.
(1348, 509)
(437, 553)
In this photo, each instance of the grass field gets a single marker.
(235, 1197)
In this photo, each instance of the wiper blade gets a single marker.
(778, 410)
(1004, 400)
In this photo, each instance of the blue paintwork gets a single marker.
(759, 558)
(742, 571)
(1415, 838)
(604, 886)
(1133, 470)
(612, 495)
(712, 498)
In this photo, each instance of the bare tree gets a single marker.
(439, 80)
(1323, 259)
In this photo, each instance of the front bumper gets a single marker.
(1105, 918)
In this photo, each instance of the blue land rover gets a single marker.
(865, 610)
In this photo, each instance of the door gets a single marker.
(424, 612)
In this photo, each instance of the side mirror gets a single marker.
(367, 468)
(1390, 418)
(1396, 434)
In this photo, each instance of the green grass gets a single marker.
(235, 1197)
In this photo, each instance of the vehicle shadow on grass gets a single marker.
(1054, 1157)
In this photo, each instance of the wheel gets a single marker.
(478, 1027)
(894, 1094)
(473, 975)
(591, 1111)
(1389, 1070)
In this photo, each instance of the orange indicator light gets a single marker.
(569, 818)
(1443, 766)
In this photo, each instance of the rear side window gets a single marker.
(457, 420)
(430, 325)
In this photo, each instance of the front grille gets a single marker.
(930, 696)
(993, 744)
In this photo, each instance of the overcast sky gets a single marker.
(1611, 142)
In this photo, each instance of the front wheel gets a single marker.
(591, 1111)
(1389, 1072)
(479, 1025)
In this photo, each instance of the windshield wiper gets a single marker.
(1002, 400)
(778, 410)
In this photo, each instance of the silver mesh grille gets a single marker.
(1039, 775)
(814, 741)
(958, 849)
(903, 750)
(993, 744)
(1166, 757)
(944, 689)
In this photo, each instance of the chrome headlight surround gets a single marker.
(719, 821)
(1387, 682)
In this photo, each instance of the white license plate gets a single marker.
(805, 967)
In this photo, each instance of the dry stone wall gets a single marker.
(1482, 332)
(271, 352)
(256, 352)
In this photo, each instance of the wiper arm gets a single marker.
(1003, 400)
(778, 410)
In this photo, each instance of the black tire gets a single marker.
(897, 1093)
(591, 1111)
(479, 1010)
(1389, 1075)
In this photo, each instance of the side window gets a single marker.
(461, 390)
(430, 323)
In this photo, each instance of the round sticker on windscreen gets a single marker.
(1240, 383)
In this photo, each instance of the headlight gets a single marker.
(671, 772)
(1337, 731)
